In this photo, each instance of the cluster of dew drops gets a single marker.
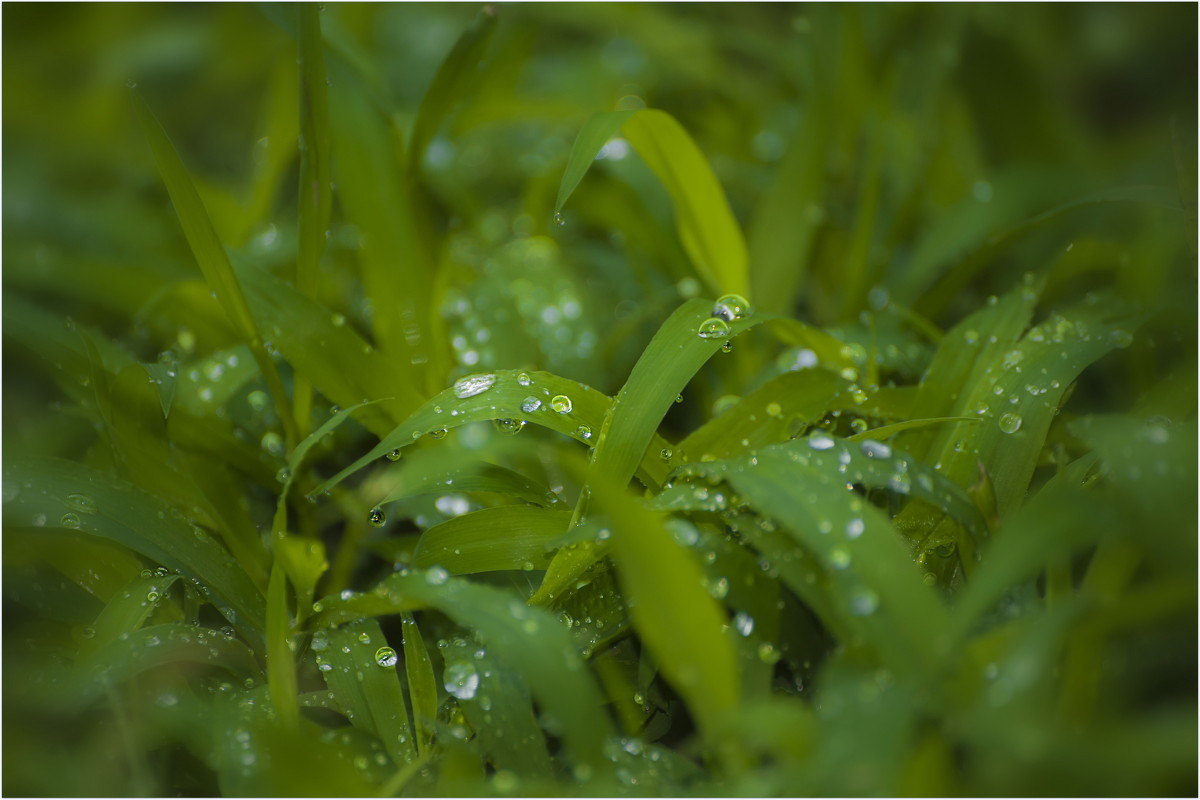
(727, 309)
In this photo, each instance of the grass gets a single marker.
(599, 400)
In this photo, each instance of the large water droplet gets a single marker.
(530, 404)
(583, 432)
(436, 576)
(744, 623)
(873, 449)
(1010, 422)
(376, 518)
(472, 385)
(819, 440)
(559, 219)
(561, 403)
(731, 307)
(508, 426)
(386, 657)
(394, 455)
(524, 379)
(461, 679)
(70, 520)
(713, 328)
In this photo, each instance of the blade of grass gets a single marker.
(281, 669)
(210, 254)
(422, 686)
(504, 537)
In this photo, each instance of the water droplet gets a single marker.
(530, 404)
(82, 502)
(561, 403)
(272, 442)
(461, 679)
(767, 653)
(505, 781)
(730, 307)
(394, 455)
(583, 432)
(665, 454)
(258, 400)
(472, 385)
(386, 657)
(436, 576)
(524, 379)
(70, 520)
(559, 219)
(744, 623)
(863, 602)
(364, 638)
(713, 328)
(819, 440)
(376, 518)
(1010, 422)
(854, 528)
(873, 449)
(727, 347)
(283, 475)
(839, 558)
(152, 596)
(508, 426)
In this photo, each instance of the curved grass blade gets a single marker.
(156, 645)
(782, 406)
(706, 225)
(126, 612)
(328, 352)
(74, 496)
(422, 686)
(100, 567)
(503, 394)
(453, 82)
(530, 640)
(432, 472)
(598, 129)
(163, 375)
(879, 591)
(504, 537)
(366, 684)
(210, 254)
(888, 431)
(668, 363)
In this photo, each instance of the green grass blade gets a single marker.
(314, 197)
(163, 375)
(281, 669)
(530, 640)
(208, 251)
(430, 472)
(367, 689)
(157, 645)
(127, 611)
(706, 225)
(422, 686)
(598, 129)
(504, 537)
(74, 496)
(454, 79)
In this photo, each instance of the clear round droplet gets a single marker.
(283, 475)
(508, 426)
(461, 679)
(583, 432)
(70, 520)
(523, 379)
(665, 454)
(743, 623)
(394, 455)
(561, 403)
(559, 219)
(731, 307)
(436, 576)
(386, 657)
(530, 404)
(82, 502)
(727, 347)
(863, 602)
(713, 328)
(1010, 422)
(376, 518)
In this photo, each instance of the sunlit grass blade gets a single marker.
(422, 686)
(598, 129)
(363, 676)
(529, 640)
(209, 252)
(74, 496)
(452, 83)
(504, 537)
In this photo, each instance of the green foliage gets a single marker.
(831, 432)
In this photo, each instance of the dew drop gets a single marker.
(873, 449)
(767, 653)
(70, 520)
(665, 454)
(1010, 422)
(730, 307)
(559, 219)
(819, 440)
(386, 657)
(283, 475)
(839, 558)
(713, 328)
(727, 347)
(524, 379)
(436, 576)
(461, 679)
(855, 528)
(472, 385)
(744, 623)
(376, 518)
(583, 432)
(863, 602)
(530, 404)
(437, 433)
(394, 455)
(364, 638)
(508, 426)
(561, 403)
(82, 502)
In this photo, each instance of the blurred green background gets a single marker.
(923, 156)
